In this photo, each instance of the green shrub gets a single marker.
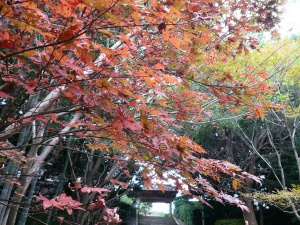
(230, 222)
(188, 212)
(124, 207)
(124, 210)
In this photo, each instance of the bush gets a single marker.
(188, 212)
(124, 207)
(124, 210)
(230, 222)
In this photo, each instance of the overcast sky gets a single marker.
(291, 18)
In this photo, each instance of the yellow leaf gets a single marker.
(112, 17)
(180, 5)
(176, 12)
(106, 33)
(136, 16)
(150, 82)
(26, 26)
(235, 184)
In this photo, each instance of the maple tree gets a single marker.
(118, 74)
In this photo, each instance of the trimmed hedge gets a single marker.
(230, 222)
(188, 212)
(124, 207)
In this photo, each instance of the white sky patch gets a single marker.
(160, 207)
(290, 22)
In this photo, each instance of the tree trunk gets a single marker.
(59, 188)
(228, 137)
(91, 169)
(33, 167)
(82, 215)
(24, 214)
(249, 216)
(15, 205)
(261, 215)
(6, 190)
(12, 171)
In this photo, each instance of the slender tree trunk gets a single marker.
(91, 196)
(249, 216)
(11, 170)
(33, 166)
(296, 155)
(92, 169)
(15, 205)
(59, 188)
(261, 215)
(6, 190)
(278, 155)
(24, 214)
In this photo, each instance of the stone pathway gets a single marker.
(155, 220)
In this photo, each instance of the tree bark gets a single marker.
(15, 205)
(40, 107)
(249, 216)
(6, 190)
(261, 215)
(23, 216)
(12, 171)
(33, 167)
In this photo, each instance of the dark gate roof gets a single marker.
(155, 195)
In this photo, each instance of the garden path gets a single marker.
(155, 220)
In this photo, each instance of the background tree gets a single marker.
(282, 125)
(265, 146)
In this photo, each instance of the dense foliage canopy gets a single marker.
(111, 81)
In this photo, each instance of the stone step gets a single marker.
(155, 220)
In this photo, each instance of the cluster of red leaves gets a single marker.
(93, 189)
(111, 216)
(62, 202)
(99, 203)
